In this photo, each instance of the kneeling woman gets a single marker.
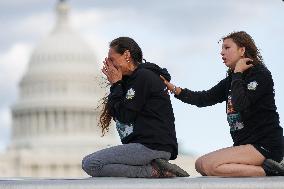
(144, 118)
(251, 113)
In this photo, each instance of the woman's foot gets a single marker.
(167, 168)
(157, 172)
(273, 168)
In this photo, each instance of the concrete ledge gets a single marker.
(127, 183)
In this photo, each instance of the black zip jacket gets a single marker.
(251, 109)
(141, 107)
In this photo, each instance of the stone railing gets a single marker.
(128, 183)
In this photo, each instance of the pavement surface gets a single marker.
(138, 183)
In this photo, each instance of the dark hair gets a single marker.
(242, 39)
(120, 45)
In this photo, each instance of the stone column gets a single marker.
(41, 122)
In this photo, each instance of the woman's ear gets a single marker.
(242, 51)
(127, 55)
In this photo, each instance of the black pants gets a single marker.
(270, 152)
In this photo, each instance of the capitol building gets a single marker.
(54, 120)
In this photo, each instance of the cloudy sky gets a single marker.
(180, 35)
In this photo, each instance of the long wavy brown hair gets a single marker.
(120, 45)
(105, 117)
(243, 39)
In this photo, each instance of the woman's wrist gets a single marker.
(238, 71)
(118, 82)
(176, 90)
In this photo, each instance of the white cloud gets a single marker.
(17, 2)
(13, 64)
(88, 20)
(5, 118)
(34, 24)
(88, 24)
(5, 126)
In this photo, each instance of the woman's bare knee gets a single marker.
(202, 166)
(198, 165)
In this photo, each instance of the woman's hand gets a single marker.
(171, 87)
(243, 64)
(113, 74)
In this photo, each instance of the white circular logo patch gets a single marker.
(252, 85)
(130, 94)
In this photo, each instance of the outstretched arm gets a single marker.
(216, 94)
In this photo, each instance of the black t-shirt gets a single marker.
(141, 107)
(250, 106)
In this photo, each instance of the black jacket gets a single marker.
(250, 105)
(141, 107)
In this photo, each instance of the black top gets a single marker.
(250, 105)
(141, 107)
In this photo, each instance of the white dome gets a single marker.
(61, 69)
(60, 91)
(63, 44)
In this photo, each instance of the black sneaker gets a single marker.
(273, 168)
(166, 166)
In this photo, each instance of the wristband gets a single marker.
(174, 90)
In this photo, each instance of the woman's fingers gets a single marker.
(165, 81)
(243, 64)
(105, 71)
(169, 85)
(106, 61)
(250, 65)
(248, 62)
(105, 66)
(112, 73)
(162, 78)
(108, 66)
(247, 59)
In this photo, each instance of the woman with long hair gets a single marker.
(248, 91)
(142, 110)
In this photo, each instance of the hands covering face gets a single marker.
(112, 73)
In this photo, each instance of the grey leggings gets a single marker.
(127, 160)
